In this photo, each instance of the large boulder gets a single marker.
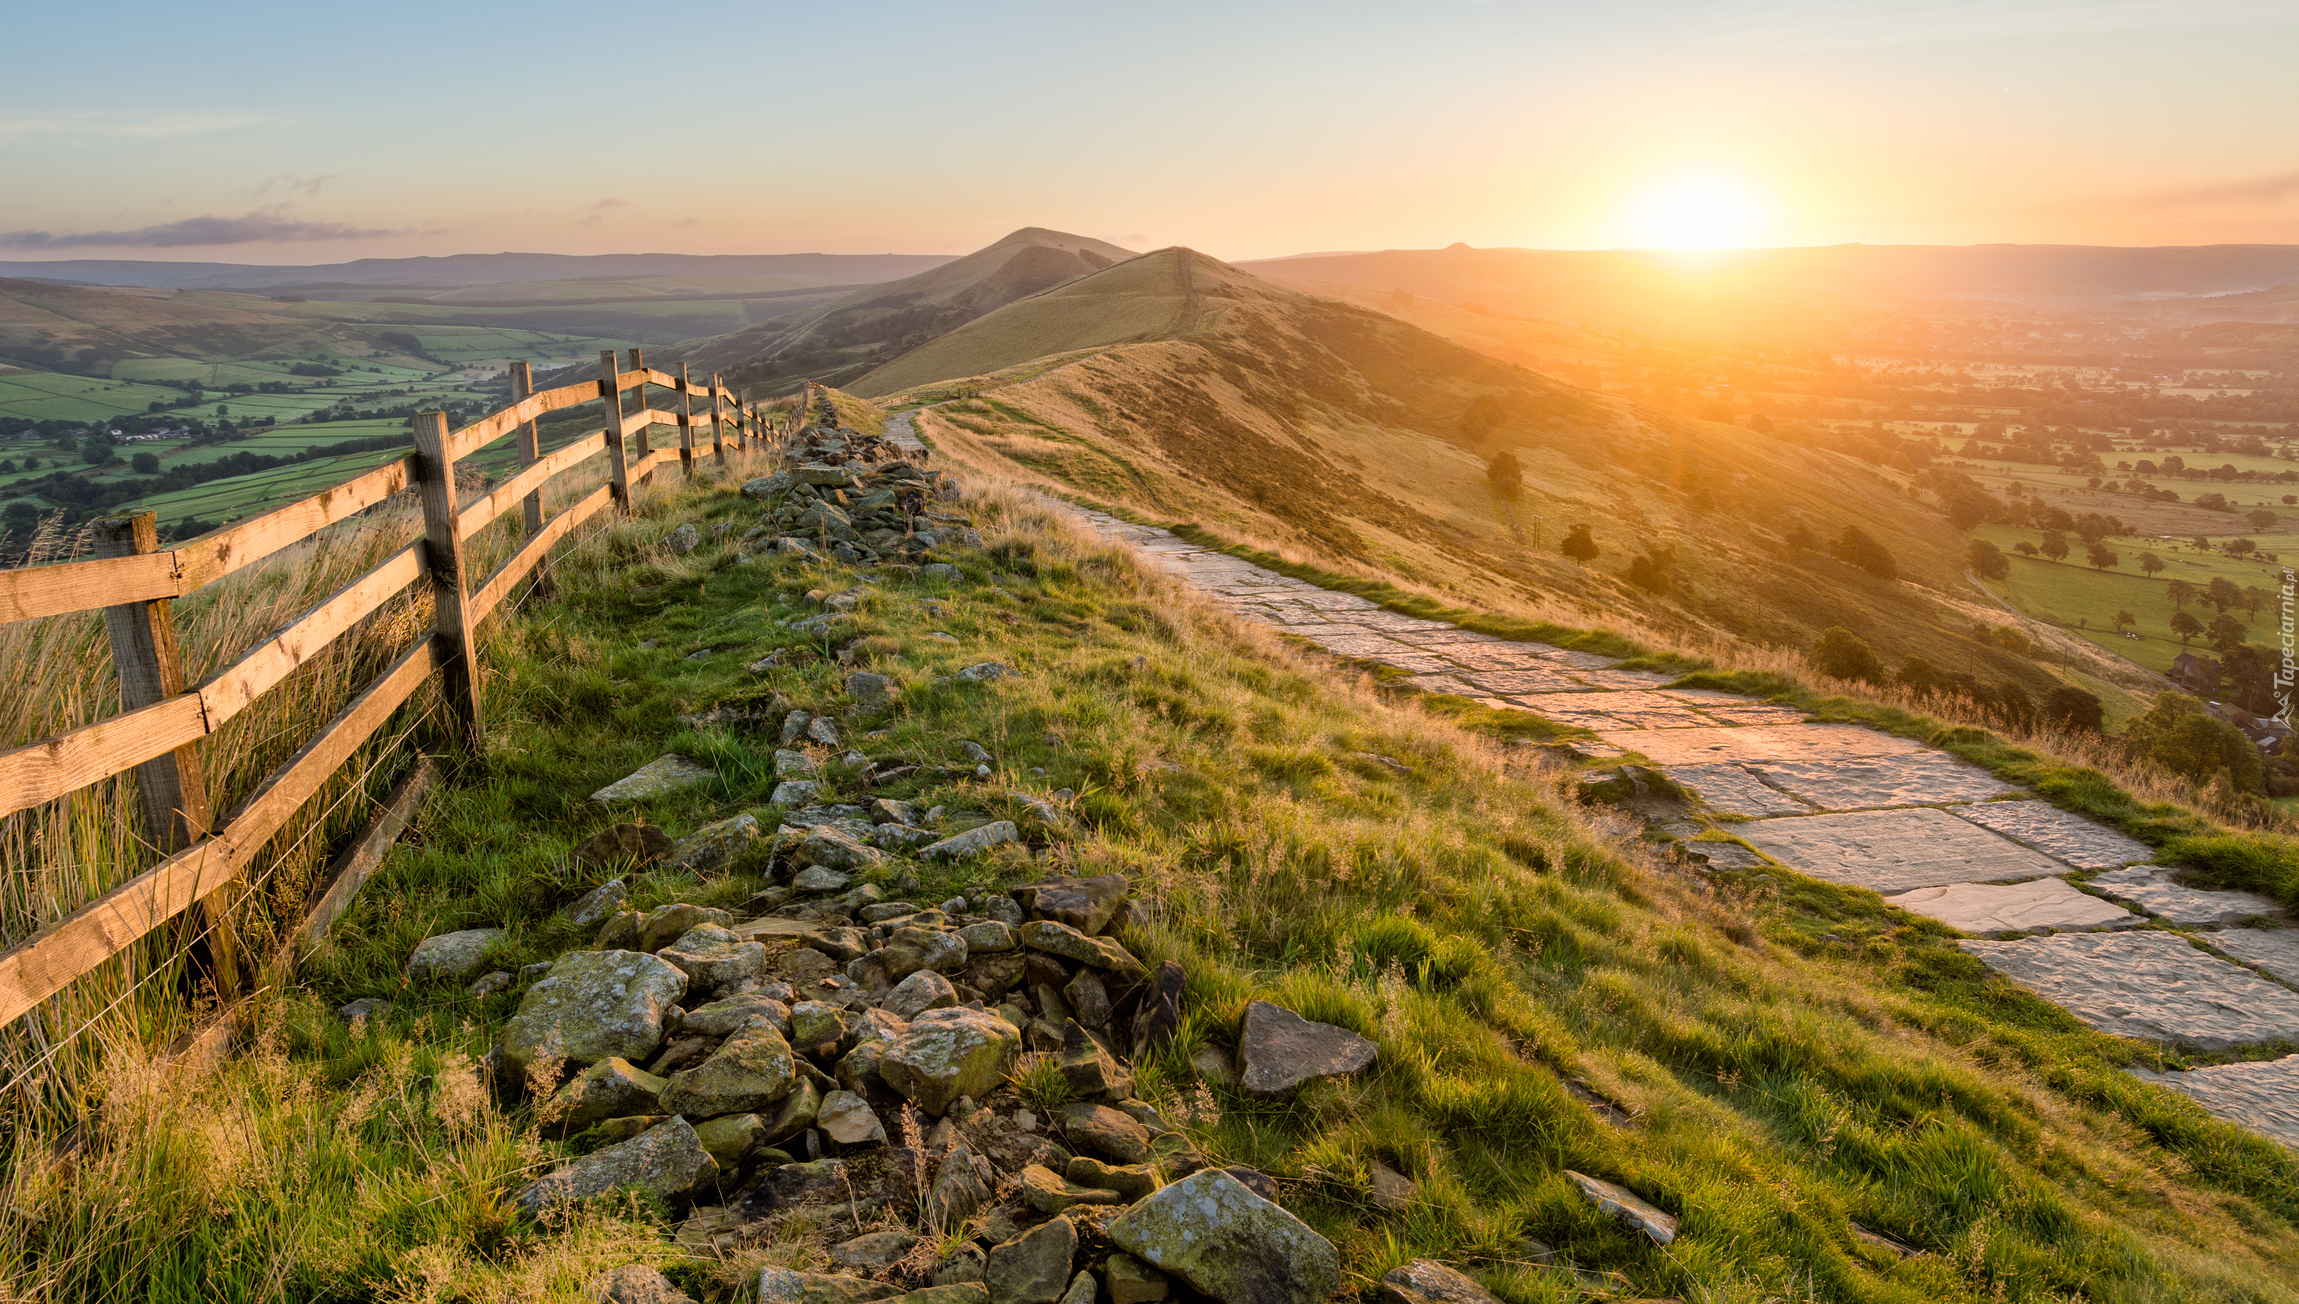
(715, 846)
(848, 1120)
(591, 1005)
(666, 924)
(1281, 1051)
(787, 1286)
(750, 1073)
(945, 1054)
(1229, 1243)
(1085, 904)
(611, 1088)
(452, 955)
(665, 1159)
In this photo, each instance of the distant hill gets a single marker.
(1186, 389)
(1774, 290)
(84, 330)
(475, 269)
(849, 336)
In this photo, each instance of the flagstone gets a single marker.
(1895, 850)
(1871, 782)
(2150, 985)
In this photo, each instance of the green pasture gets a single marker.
(48, 396)
(2075, 596)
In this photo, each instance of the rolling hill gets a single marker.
(1184, 389)
(84, 330)
(848, 336)
(472, 269)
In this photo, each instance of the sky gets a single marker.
(276, 133)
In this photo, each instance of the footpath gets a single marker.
(2073, 911)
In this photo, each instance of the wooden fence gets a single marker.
(162, 718)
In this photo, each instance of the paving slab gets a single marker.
(1597, 677)
(1765, 742)
(1895, 850)
(1511, 683)
(1735, 791)
(1488, 657)
(2263, 1096)
(2151, 888)
(1758, 713)
(2150, 985)
(1988, 908)
(1637, 710)
(1357, 645)
(1874, 782)
(2275, 950)
(1442, 684)
(2060, 833)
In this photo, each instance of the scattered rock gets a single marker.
(833, 848)
(785, 1286)
(1281, 1051)
(1392, 1190)
(1626, 1206)
(665, 774)
(1426, 1281)
(666, 1160)
(1070, 944)
(913, 949)
(847, 1119)
(794, 792)
(634, 1283)
(452, 955)
(366, 1007)
(1229, 1243)
(873, 1251)
(973, 842)
(1049, 1192)
(869, 690)
(1034, 1267)
(715, 846)
(945, 1054)
(984, 673)
(611, 1088)
(1131, 1281)
(1086, 904)
(666, 924)
(594, 1004)
(729, 1140)
(1131, 1181)
(494, 984)
(621, 846)
(923, 990)
(967, 1263)
(1106, 1132)
(749, 1073)
(714, 959)
(962, 1184)
(724, 1018)
(599, 902)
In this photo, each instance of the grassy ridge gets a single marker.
(1795, 1056)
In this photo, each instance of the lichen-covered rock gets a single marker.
(611, 1088)
(1106, 1132)
(598, 903)
(1281, 1051)
(797, 1112)
(794, 792)
(1049, 1192)
(873, 1251)
(633, 1283)
(715, 846)
(729, 1140)
(813, 1023)
(869, 690)
(666, 924)
(1132, 1181)
(1086, 904)
(984, 672)
(1426, 1281)
(923, 990)
(622, 846)
(945, 1054)
(912, 949)
(1070, 944)
(833, 848)
(787, 1286)
(1034, 1267)
(452, 955)
(750, 1073)
(591, 1005)
(973, 842)
(714, 959)
(962, 1184)
(665, 774)
(1229, 1243)
(847, 1119)
(724, 1018)
(988, 936)
(666, 1159)
(1131, 1281)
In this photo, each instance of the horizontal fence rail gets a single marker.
(162, 719)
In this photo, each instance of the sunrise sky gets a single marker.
(248, 132)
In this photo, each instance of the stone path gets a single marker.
(2084, 914)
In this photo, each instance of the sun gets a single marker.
(1695, 213)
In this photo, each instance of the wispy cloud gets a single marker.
(597, 212)
(2260, 190)
(265, 226)
(126, 124)
(1816, 26)
(308, 185)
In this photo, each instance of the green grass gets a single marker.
(48, 396)
(2069, 592)
(1797, 1056)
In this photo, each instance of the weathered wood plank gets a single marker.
(487, 429)
(617, 433)
(443, 546)
(530, 445)
(45, 770)
(210, 558)
(234, 688)
(149, 667)
(490, 594)
(30, 592)
(42, 964)
(360, 859)
(482, 511)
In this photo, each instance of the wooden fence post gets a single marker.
(151, 667)
(717, 423)
(522, 388)
(443, 545)
(686, 423)
(638, 363)
(618, 457)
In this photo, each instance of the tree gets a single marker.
(2055, 545)
(1655, 571)
(2099, 556)
(2261, 519)
(2150, 563)
(1856, 548)
(145, 463)
(1507, 478)
(2124, 620)
(1580, 545)
(2226, 633)
(2254, 598)
(2223, 593)
(2186, 626)
(2180, 592)
(1842, 654)
(1987, 560)
(2179, 735)
(2073, 708)
(2024, 548)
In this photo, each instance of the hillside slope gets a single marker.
(84, 330)
(1360, 442)
(850, 335)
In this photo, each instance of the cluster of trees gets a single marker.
(1842, 654)
(83, 498)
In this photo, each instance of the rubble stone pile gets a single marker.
(857, 498)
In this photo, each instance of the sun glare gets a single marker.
(1695, 213)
